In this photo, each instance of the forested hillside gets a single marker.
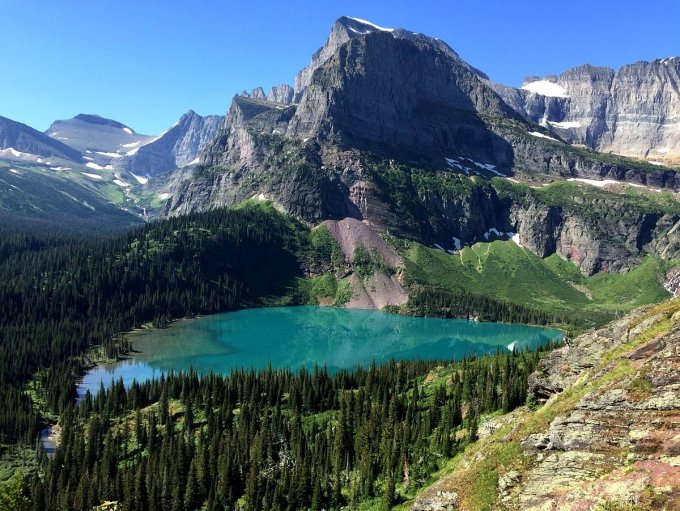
(275, 440)
(58, 298)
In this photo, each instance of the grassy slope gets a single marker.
(30, 191)
(504, 271)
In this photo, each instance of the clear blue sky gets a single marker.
(146, 62)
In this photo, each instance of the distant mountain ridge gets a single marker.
(178, 146)
(386, 126)
(634, 111)
(16, 138)
(92, 168)
(108, 143)
(94, 134)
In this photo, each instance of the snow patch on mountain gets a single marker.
(141, 180)
(546, 88)
(10, 151)
(372, 25)
(566, 125)
(110, 155)
(541, 135)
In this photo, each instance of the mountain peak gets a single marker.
(361, 27)
(347, 28)
(102, 121)
(189, 114)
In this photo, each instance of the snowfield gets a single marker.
(110, 155)
(373, 25)
(565, 125)
(546, 88)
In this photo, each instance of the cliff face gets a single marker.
(607, 433)
(389, 129)
(178, 146)
(434, 107)
(411, 97)
(598, 232)
(245, 138)
(634, 111)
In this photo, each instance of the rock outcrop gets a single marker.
(608, 433)
(283, 94)
(634, 111)
(620, 441)
(607, 235)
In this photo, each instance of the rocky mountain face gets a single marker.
(436, 106)
(597, 230)
(634, 111)
(177, 147)
(605, 435)
(18, 140)
(283, 94)
(345, 29)
(401, 161)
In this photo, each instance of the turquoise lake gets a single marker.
(295, 337)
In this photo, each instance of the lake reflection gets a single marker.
(295, 337)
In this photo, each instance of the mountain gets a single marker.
(176, 147)
(347, 28)
(634, 111)
(96, 136)
(21, 142)
(47, 173)
(392, 128)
